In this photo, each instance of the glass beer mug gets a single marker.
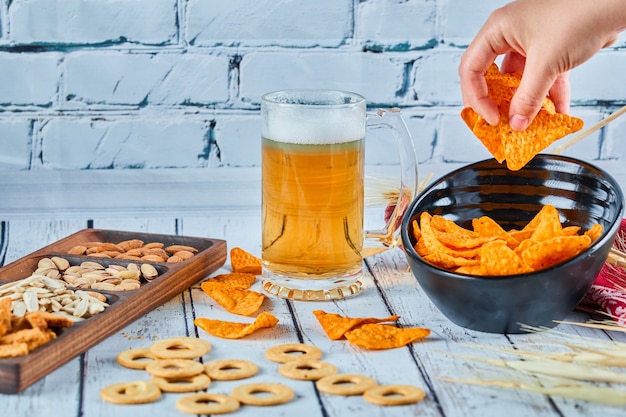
(313, 157)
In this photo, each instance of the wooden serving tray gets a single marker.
(124, 306)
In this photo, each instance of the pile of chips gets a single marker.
(369, 332)
(489, 250)
(504, 143)
(232, 292)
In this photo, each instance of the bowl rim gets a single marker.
(607, 233)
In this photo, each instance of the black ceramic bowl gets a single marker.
(583, 195)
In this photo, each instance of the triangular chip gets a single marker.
(233, 330)
(435, 246)
(486, 226)
(336, 326)
(544, 130)
(239, 280)
(242, 261)
(497, 259)
(554, 251)
(504, 143)
(454, 236)
(547, 225)
(383, 336)
(236, 301)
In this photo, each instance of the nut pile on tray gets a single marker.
(96, 276)
(136, 250)
(40, 293)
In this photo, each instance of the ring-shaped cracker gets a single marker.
(207, 403)
(174, 368)
(279, 393)
(135, 392)
(306, 369)
(185, 384)
(394, 394)
(230, 369)
(180, 348)
(345, 384)
(283, 353)
(133, 358)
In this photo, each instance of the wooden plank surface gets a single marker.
(389, 289)
(223, 207)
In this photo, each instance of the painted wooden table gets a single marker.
(390, 288)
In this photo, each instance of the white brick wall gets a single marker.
(153, 84)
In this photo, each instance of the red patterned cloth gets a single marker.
(608, 293)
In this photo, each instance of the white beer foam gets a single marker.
(315, 126)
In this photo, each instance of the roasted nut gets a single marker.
(77, 250)
(148, 271)
(92, 275)
(135, 249)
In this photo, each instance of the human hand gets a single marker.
(544, 40)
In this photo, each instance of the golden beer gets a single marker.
(312, 149)
(313, 209)
(313, 163)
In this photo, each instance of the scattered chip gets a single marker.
(384, 336)
(242, 261)
(336, 326)
(241, 280)
(232, 330)
(236, 300)
(504, 143)
(542, 243)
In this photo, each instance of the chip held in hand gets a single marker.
(517, 148)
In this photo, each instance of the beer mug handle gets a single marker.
(392, 119)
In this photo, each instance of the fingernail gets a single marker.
(518, 122)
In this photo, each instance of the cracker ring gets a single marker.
(345, 384)
(135, 392)
(180, 348)
(394, 394)
(207, 403)
(306, 369)
(279, 393)
(174, 368)
(184, 384)
(230, 369)
(282, 353)
(131, 358)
